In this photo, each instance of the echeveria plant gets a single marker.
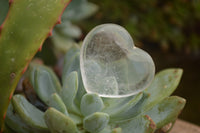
(69, 109)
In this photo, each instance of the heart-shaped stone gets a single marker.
(111, 65)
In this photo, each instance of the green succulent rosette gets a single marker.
(72, 110)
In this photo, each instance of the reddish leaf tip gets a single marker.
(10, 2)
(40, 48)
(59, 20)
(50, 33)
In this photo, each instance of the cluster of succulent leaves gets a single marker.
(171, 24)
(71, 109)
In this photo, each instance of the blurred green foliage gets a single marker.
(65, 34)
(172, 25)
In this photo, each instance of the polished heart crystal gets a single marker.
(111, 65)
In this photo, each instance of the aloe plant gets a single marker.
(26, 26)
(71, 109)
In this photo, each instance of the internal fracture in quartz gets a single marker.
(111, 65)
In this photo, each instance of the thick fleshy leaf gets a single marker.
(116, 106)
(56, 102)
(61, 43)
(57, 122)
(29, 113)
(107, 129)
(165, 82)
(76, 118)
(163, 85)
(78, 10)
(14, 121)
(134, 109)
(87, 10)
(72, 63)
(69, 90)
(95, 122)
(31, 72)
(67, 29)
(139, 124)
(44, 81)
(90, 104)
(167, 110)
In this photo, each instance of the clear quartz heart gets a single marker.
(111, 65)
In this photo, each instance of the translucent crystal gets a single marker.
(111, 65)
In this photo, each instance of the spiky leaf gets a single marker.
(24, 30)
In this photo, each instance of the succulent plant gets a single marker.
(23, 32)
(72, 110)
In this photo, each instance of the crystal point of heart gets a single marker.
(111, 65)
